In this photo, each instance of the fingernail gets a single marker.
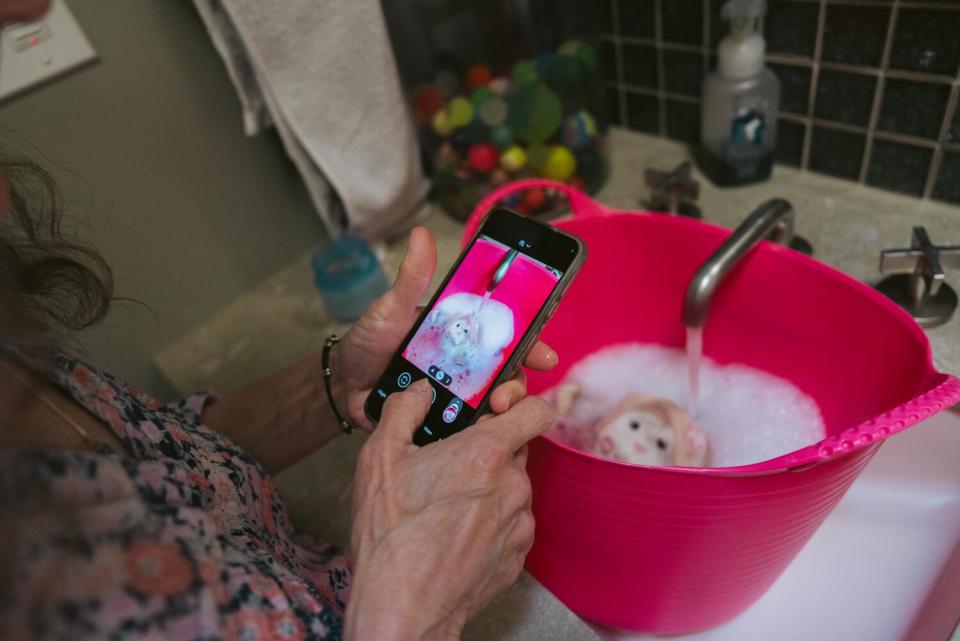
(421, 386)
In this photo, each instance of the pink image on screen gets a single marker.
(470, 332)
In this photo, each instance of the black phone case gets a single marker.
(530, 337)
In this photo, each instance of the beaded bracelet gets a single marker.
(327, 375)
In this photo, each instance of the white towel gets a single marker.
(323, 73)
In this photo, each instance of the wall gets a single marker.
(148, 147)
(869, 88)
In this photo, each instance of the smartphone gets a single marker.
(486, 315)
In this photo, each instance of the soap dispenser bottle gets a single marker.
(740, 102)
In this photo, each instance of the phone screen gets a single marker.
(483, 318)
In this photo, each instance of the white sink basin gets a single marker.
(885, 566)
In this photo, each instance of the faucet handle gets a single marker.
(673, 191)
(918, 282)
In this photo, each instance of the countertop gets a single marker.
(282, 320)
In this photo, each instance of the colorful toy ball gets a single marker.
(501, 137)
(534, 198)
(480, 95)
(560, 164)
(493, 111)
(460, 112)
(498, 176)
(579, 130)
(524, 73)
(478, 76)
(441, 124)
(534, 113)
(499, 86)
(537, 155)
(428, 101)
(483, 157)
(513, 158)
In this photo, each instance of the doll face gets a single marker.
(461, 331)
(637, 437)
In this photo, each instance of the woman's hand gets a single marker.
(438, 530)
(365, 351)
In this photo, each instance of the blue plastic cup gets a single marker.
(348, 276)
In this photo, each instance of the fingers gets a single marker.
(520, 457)
(541, 357)
(524, 421)
(509, 394)
(404, 413)
(416, 270)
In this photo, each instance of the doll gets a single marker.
(640, 429)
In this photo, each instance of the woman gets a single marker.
(124, 518)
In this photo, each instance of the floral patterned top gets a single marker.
(184, 538)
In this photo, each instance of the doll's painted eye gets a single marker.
(662, 444)
(634, 425)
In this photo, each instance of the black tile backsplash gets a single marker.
(639, 65)
(845, 97)
(683, 121)
(913, 107)
(927, 40)
(947, 187)
(643, 112)
(791, 27)
(608, 61)
(638, 18)
(790, 142)
(857, 88)
(683, 73)
(682, 21)
(899, 167)
(838, 153)
(794, 87)
(953, 134)
(612, 105)
(855, 34)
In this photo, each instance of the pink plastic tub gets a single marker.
(674, 550)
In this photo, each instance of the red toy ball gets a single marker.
(483, 157)
(534, 198)
(429, 100)
(478, 76)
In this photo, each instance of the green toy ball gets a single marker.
(534, 113)
(567, 76)
(501, 137)
(588, 56)
(524, 73)
(537, 156)
(480, 95)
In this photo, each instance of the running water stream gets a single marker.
(694, 358)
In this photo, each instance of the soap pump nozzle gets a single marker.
(741, 53)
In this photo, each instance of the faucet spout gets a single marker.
(772, 220)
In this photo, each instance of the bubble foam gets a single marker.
(747, 414)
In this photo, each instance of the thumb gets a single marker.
(416, 270)
(404, 413)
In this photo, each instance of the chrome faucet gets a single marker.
(772, 220)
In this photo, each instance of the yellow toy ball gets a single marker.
(513, 158)
(459, 112)
(559, 165)
(441, 124)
